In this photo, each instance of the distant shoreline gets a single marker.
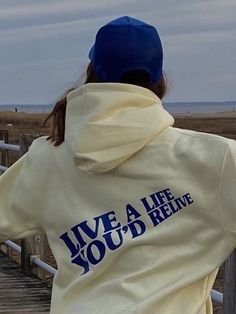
(222, 114)
(193, 109)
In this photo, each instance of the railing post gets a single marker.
(33, 246)
(40, 244)
(24, 142)
(4, 136)
(25, 258)
(229, 300)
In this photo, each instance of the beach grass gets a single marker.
(19, 118)
(19, 123)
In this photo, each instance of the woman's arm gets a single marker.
(228, 193)
(18, 215)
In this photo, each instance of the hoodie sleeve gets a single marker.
(228, 192)
(18, 217)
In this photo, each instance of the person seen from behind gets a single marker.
(138, 214)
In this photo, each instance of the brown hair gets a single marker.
(58, 114)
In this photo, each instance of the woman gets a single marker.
(139, 215)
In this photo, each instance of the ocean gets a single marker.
(200, 107)
(174, 107)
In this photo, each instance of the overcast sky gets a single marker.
(44, 45)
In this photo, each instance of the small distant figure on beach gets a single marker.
(16, 109)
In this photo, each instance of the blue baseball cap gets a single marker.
(126, 44)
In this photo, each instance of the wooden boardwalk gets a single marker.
(20, 294)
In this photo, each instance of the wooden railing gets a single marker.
(32, 250)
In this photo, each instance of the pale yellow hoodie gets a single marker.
(138, 214)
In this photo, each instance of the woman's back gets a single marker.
(144, 237)
(139, 215)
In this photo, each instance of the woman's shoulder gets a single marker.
(202, 136)
(201, 143)
(39, 145)
(43, 149)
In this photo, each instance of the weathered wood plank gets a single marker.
(21, 294)
(229, 303)
(4, 154)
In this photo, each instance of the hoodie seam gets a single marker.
(85, 161)
(34, 228)
(211, 137)
(38, 216)
(220, 200)
(100, 90)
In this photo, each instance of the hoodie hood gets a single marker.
(107, 123)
